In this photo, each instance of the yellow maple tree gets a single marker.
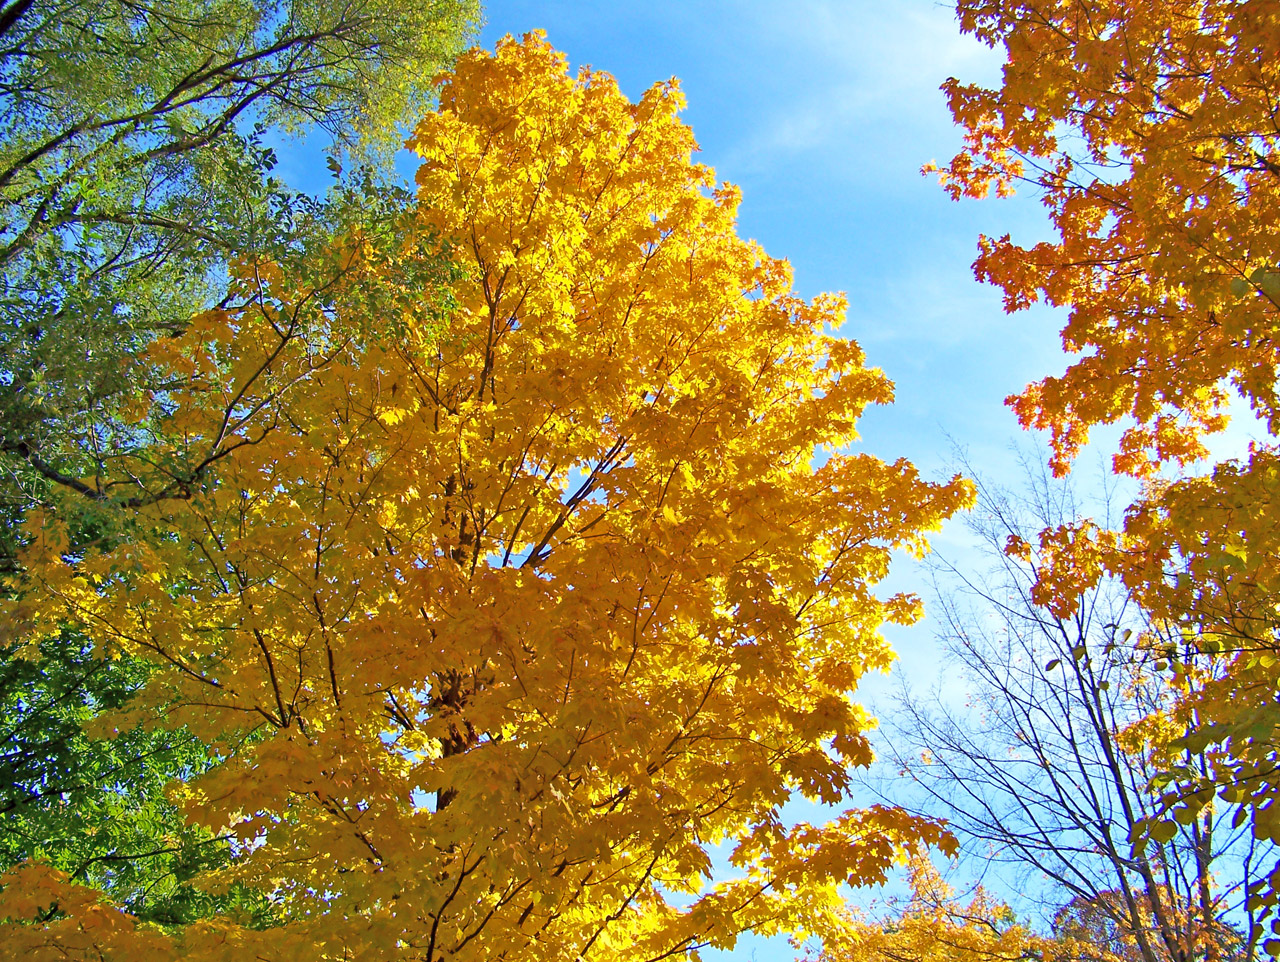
(1150, 131)
(501, 609)
(933, 926)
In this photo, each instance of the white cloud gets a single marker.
(869, 67)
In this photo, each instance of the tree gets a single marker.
(128, 180)
(1049, 769)
(495, 628)
(94, 807)
(932, 926)
(132, 170)
(1149, 130)
(1093, 922)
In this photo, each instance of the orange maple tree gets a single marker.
(500, 609)
(1150, 130)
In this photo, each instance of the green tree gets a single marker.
(94, 807)
(127, 179)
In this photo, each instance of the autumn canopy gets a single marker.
(501, 597)
(485, 567)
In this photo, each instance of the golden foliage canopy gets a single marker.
(498, 624)
(933, 926)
